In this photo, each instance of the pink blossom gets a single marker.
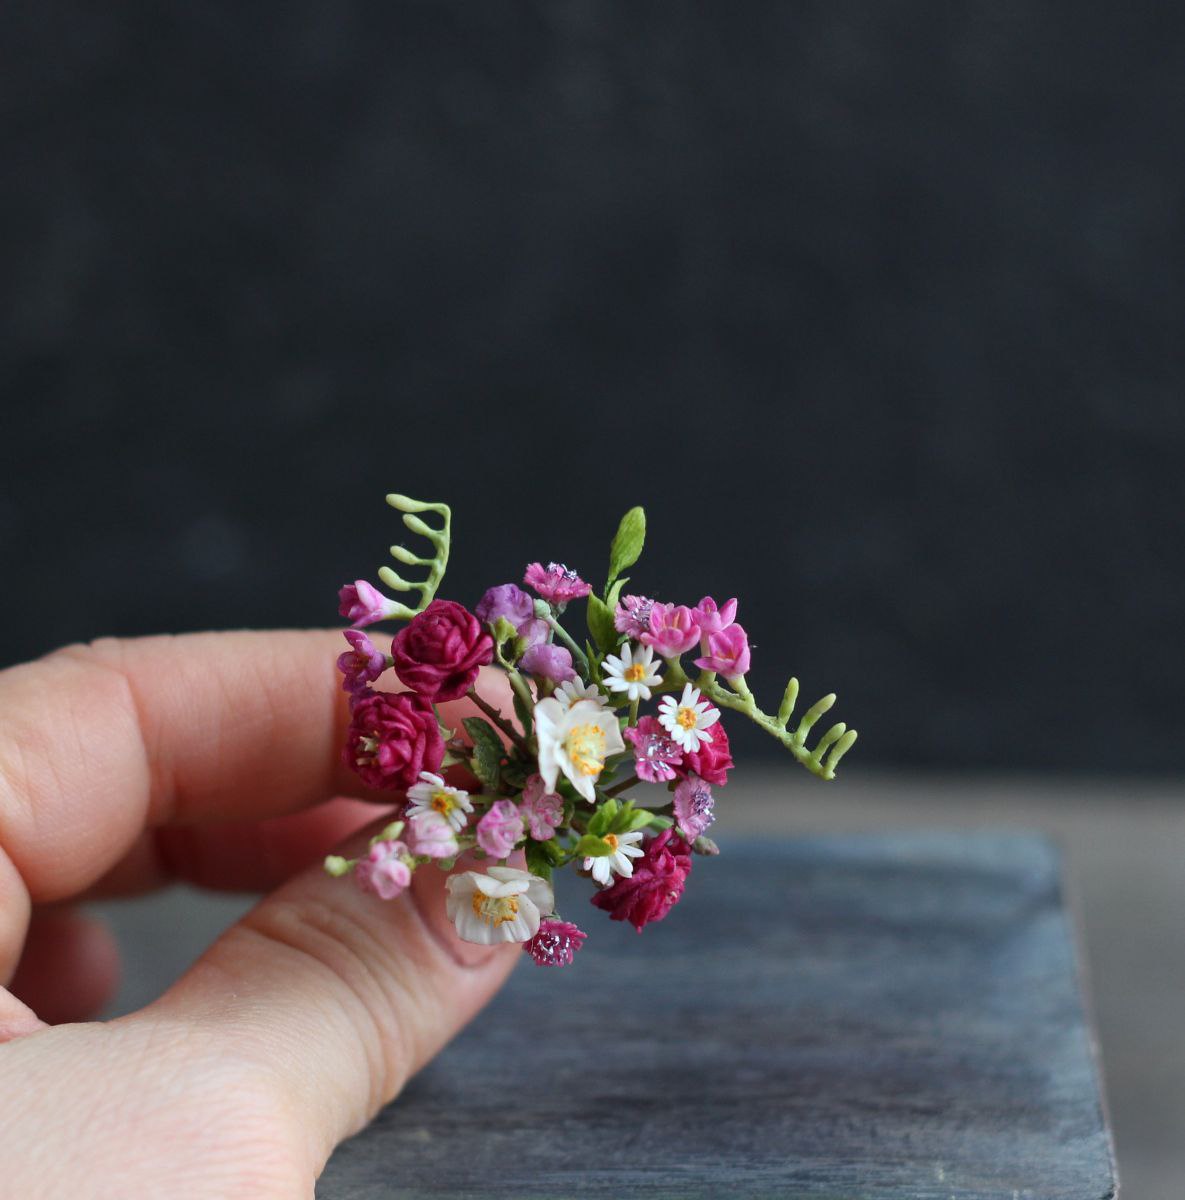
(727, 652)
(555, 943)
(712, 761)
(500, 829)
(655, 886)
(711, 619)
(672, 631)
(556, 582)
(383, 871)
(362, 664)
(632, 615)
(433, 836)
(542, 810)
(361, 604)
(548, 661)
(655, 754)
(694, 809)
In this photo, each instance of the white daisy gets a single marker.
(572, 691)
(577, 741)
(687, 718)
(503, 905)
(432, 794)
(622, 848)
(633, 672)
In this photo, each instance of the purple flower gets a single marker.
(362, 664)
(506, 600)
(361, 604)
(542, 810)
(694, 809)
(547, 661)
(711, 619)
(726, 652)
(672, 631)
(556, 582)
(383, 871)
(533, 632)
(500, 829)
(433, 836)
(655, 755)
(555, 943)
(632, 615)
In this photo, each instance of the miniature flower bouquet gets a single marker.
(607, 756)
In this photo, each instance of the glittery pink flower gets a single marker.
(555, 943)
(712, 761)
(556, 582)
(655, 886)
(655, 754)
(542, 810)
(727, 652)
(383, 870)
(433, 836)
(632, 615)
(393, 736)
(500, 829)
(672, 631)
(362, 664)
(362, 604)
(711, 619)
(694, 810)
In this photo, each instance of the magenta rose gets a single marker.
(655, 886)
(712, 761)
(439, 652)
(392, 738)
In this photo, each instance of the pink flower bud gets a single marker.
(672, 631)
(361, 604)
(433, 836)
(500, 829)
(383, 871)
(727, 652)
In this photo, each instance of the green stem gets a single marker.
(564, 636)
(500, 721)
(622, 786)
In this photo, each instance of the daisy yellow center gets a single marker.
(634, 674)
(442, 803)
(686, 717)
(585, 745)
(494, 910)
(611, 839)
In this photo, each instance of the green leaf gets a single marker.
(600, 622)
(594, 664)
(627, 542)
(526, 718)
(591, 846)
(602, 819)
(487, 751)
(538, 860)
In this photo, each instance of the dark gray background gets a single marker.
(877, 307)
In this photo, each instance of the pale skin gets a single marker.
(211, 758)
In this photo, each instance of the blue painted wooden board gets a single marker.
(888, 1016)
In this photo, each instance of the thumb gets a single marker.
(342, 994)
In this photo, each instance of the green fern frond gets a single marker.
(436, 564)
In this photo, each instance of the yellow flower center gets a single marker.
(494, 910)
(442, 803)
(611, 838)
(635, 674)
(686, 717)
(585, 745)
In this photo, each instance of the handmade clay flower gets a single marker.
(622, 848)
(632, 615)
(362, 604)
(694, 810)
(432, 795)
(576, 741)
(392, 738)
(384, 870)
(548, 661)
(655, 885)
(672, 630)
(439, 652)
(506, 600)
(711, 619)
(362, 664)
(556, 582)
(503, 905)
(727, 653)
(542, 810)
(633, 672)
(555, 944)
(688, 719)
(711, 761)
(432, 835)
(500, 829)
(655, 755)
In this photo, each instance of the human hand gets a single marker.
(210, 758)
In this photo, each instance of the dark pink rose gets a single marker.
(392, 738)
(655, 886)
(439, 652)
(712, 761)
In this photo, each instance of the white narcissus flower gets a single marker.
(622, 848)
(577, 741)
(432, 794)
(688, 718)
(633, 672)
(502, 905)
(574, 690)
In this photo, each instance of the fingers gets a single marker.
(70, 966)
(337, 995)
